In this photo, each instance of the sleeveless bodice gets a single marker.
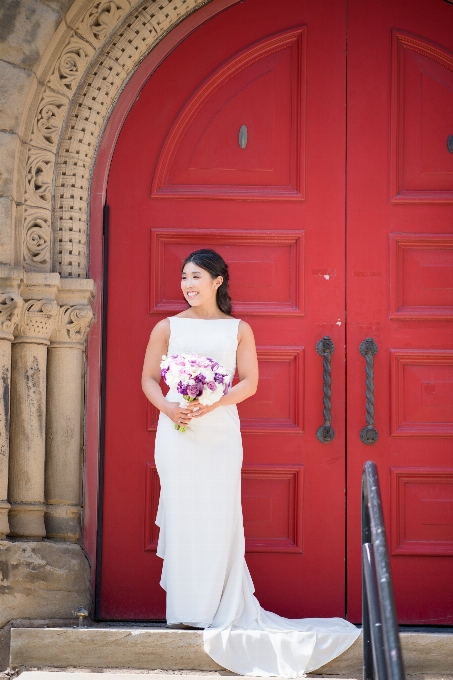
(215, 338)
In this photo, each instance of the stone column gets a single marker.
(65, 409)
(28, 407)
(10, 308)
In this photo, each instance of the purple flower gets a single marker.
(218, 377)
(215, 365)
(192, 390)
(201, 378)
(182, 389)
(211, 385)
(226, 388)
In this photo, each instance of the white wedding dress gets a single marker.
(201, 537)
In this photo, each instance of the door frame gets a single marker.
(95, 379)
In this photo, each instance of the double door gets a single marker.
(311, 144)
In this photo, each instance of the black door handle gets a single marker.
(325, 347)
(368, 349)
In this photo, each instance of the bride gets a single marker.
(201, 539)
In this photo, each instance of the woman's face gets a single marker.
(197, 285)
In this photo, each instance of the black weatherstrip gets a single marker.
(97, 589)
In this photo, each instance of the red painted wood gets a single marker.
(97, 199)
(400, 183)
(287, 262)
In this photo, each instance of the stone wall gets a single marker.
(63, 64)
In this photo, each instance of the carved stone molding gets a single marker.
(70, 65)
(48, 120)
(87, 116)
(93, 54)
(102, 18)
(37, 321)
(40, 166)
(10, 308)
(72, 326)
(37, 240)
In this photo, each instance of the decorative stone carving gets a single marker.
(40, 165)
(126, 30)
(102, 18)
(72, 325)
(70, 65)
(10, 308)
(37, 240)
(49, 120)
(37, 321)
(133, 39)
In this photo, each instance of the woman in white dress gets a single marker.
(201, 538)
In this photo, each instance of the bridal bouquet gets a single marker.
(194, 377)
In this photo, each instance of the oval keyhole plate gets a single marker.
(243, 136)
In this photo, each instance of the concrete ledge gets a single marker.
(110, 648)
(162, 649)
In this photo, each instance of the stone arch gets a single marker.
(86, 65)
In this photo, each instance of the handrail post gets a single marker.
(368, 666)
(379, 610)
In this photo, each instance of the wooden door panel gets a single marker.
(197, 158)
(421, 119)
(177, 153)
(400, 286)
(278, 405)
(266, 268)
(421, 387)
(272, 504)
(421, 276)
(422, 503)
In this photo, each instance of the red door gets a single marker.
(274, 209)
(400, 291)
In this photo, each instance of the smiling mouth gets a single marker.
(191, 294)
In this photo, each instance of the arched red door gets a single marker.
(275, 207)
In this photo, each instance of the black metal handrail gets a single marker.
(382, 658)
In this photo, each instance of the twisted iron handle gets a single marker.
(325, 347)
(368, 349)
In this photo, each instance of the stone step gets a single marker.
(163, 649)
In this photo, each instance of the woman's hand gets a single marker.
(182, 415)
(200, 410)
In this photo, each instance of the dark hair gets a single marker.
(216, 266)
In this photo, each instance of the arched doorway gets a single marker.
(307, 242)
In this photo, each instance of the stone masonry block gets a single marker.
(61, 6)
(42, 579)
(6, 207)
(8, 143)
(5, 642)
(25, 30)
(14, 85)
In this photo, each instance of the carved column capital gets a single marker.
(37, 321)
(72, 325)
(11, 305)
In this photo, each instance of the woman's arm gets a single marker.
(247, 365)
(157, 347)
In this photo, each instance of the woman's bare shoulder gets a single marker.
(244, 330)
(161, 330)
